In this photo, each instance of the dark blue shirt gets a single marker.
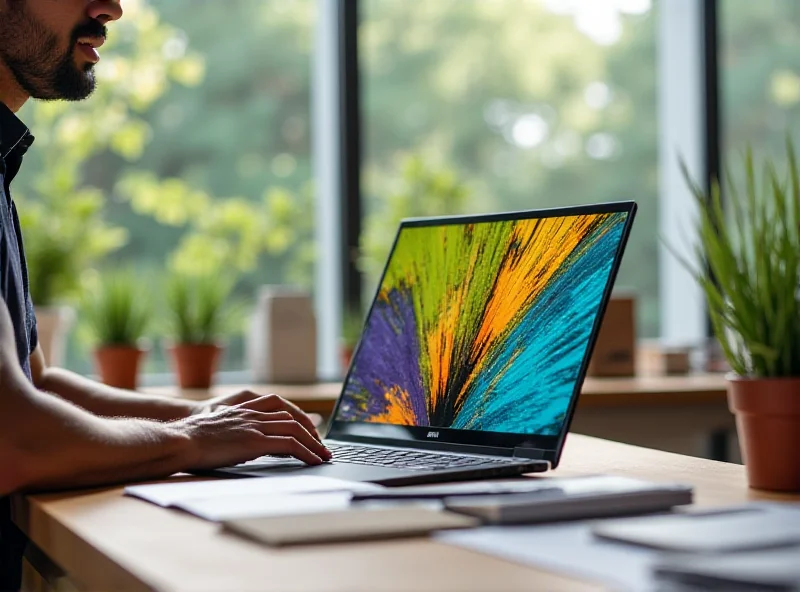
(15, 139)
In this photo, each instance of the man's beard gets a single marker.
(30, 52)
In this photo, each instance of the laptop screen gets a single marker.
(483, 325)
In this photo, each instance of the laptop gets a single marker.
(474, 350)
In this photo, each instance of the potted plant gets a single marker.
(199, 317)
(748, 264)
(117, 313)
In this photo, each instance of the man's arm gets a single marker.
(47, 442)
(105, 400)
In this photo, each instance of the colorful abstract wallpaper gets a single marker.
(483, 326)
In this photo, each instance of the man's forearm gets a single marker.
(111, 402)
(61, 445)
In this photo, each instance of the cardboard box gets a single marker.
(282, 341)
(615, 351)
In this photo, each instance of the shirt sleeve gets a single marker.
(33, 334)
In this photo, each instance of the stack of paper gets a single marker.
(228, 499)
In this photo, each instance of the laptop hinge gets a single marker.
(532, 453)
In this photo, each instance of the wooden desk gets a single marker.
(106, 541)
(672, 413)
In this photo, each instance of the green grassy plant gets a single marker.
(199, 308)
(118, 311)
(747, 261)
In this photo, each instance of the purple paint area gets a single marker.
(387, 358)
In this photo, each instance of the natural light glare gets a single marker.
(598, 23)
(597, 95)
(601, 146)
(529, 131)
(634, 6)
(175, 47)
(599, 20)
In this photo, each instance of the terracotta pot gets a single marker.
(118, 365)
(768, 423)
(195, 364)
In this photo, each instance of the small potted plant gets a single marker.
(118, 313)
(748, 264)
(199, 317)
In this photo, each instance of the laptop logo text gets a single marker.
(433, 434)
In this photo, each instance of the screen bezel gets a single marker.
(444, 437)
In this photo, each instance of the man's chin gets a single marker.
(76, 87)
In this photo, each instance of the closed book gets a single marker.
(573, 498)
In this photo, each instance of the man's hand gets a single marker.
(238, 432)
(256, 402)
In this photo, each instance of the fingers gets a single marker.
(308, 448)
(271, 403)
(287, 445)
(282, 423)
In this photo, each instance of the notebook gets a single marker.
(572, 498)
(356, 524)
(739, 528)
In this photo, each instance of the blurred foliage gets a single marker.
(527, 110)
(419, 189)
(228, 233)
(64, 237)
(62, 214)
(202, 99)
(760, 94)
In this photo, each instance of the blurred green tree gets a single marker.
(512, 97)
(61, 210)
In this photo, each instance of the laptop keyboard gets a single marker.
(406, 459)
(400, 458)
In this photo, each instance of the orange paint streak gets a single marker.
(398, 410)
(524, 275)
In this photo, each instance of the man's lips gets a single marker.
(88, 47)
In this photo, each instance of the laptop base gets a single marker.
(389, 476)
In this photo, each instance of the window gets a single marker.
(198, 143)
(760, 77)
(474, 106)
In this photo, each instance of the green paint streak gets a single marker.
(434, 262)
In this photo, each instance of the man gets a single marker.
(58, 429)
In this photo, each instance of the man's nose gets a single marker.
(105, 10)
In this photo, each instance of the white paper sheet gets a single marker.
(568, 548)
(257, 506)
(170, 494)
(572, 549)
